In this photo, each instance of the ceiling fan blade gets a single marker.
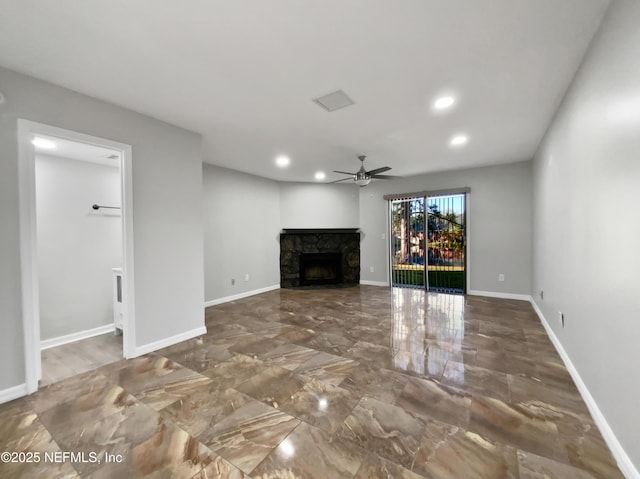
(378, 170)
(344, 172)
(338, 181)
(384, 177)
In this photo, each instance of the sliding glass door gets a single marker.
(446, 251)
(428, 242)
(407, 242)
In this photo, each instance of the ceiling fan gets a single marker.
(362, 177)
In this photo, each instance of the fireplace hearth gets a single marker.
(319, 257)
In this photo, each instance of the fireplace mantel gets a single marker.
(312, 231)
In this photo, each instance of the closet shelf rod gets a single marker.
(97, 207)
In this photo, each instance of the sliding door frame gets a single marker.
(465, 192)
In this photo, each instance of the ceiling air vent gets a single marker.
(334, 101)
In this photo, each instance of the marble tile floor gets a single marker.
(68, 360)
(362, 382)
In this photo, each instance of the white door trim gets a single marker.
(28, 240)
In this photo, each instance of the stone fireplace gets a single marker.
(311, 257)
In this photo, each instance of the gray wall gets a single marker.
(498, 221)
(167, 203)
(309, 205)
(586, 222)
(242, 226)
(77, 246)
(244, 215)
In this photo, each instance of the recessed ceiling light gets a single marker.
(320, 175)
(459, 140)
(283, 161)
(43, 143)
(443, 103)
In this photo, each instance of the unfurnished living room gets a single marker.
(319, 239)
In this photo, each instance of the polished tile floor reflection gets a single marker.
(363, 382)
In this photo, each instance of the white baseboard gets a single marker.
(492, 294)
(170, 341)
(246, 294)
(624, 462)
(12, 393)
(70, 338)
(374, 283)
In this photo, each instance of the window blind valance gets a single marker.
(420, 194)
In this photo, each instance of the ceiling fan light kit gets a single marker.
(362, 181)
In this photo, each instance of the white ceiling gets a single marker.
(244, 73)
(79, 151)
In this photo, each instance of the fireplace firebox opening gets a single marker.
(320, 268)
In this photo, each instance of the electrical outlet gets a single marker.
(233, 281)
(501, 277)
(371, 269)
(382, 236)
(247, 277)
(561, 318)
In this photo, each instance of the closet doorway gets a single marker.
(428, 241)
(76, 251)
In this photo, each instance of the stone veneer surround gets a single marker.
(294, 242)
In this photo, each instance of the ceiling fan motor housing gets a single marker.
(362, 173)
